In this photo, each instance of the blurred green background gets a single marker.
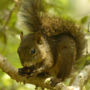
(10, 28)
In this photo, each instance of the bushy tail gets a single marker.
(77, 34)
(59, 26)
(30, 14)
(32, 17)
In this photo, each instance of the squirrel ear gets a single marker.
(21, 35)
(38, 38)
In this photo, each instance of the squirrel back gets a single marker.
(53, 33)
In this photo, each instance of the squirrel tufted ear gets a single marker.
(21, 35)
(38, 38)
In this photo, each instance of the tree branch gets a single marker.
(79, 81)
(77, 84)
(82, 77)
(13, 73)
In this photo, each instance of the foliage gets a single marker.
(10, 30)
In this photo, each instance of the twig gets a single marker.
(9, 16)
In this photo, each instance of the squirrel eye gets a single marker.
(33, 51)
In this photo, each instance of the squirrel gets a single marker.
(53, 44)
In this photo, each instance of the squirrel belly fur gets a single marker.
(54, 44)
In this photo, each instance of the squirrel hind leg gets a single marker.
(67, 56)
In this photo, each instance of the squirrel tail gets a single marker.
(58, 26)
(30, 14)
(77, 34)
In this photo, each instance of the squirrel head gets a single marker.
(29, 51)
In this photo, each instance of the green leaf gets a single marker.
(84, 20)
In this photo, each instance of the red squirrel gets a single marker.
(53, 44)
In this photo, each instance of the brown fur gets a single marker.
(53, 46)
